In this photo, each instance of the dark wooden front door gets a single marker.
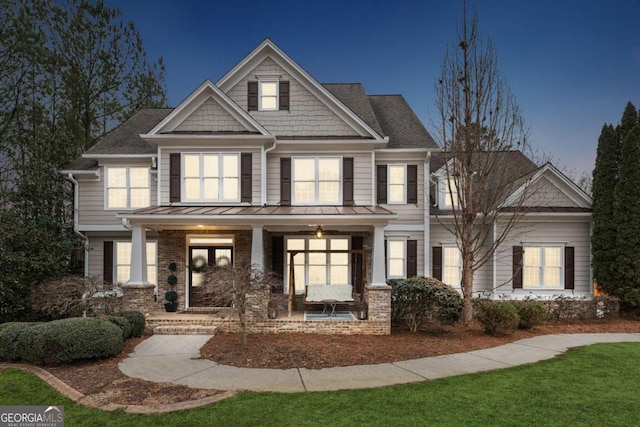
(201, 257)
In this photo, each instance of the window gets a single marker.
(268, 95)
(449, 193)
(122, 262)
(397, 184)
(451, 265)
(396, 250)
(316, 180)
(542, 267)
(318, 268)
(127, 187)
(211, 177)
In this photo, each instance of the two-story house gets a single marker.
(268, 160)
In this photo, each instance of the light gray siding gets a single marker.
(408, 213)
(545, 193)
(210, 116)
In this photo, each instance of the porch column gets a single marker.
(378, 275)
(138, 274)
(257, 248)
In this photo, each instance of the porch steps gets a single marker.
(186, 330)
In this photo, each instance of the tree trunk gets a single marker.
(467, 290)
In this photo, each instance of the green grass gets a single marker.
(589, 386)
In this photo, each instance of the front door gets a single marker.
(201, 257)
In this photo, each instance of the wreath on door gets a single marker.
(198, 264)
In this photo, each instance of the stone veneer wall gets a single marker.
(139, 298)
(172, 247)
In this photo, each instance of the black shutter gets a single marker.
(277, 255)
(569, 267)
(107, 263)
(356, 263)
(252, 96)
(285, 181)
(284, 95)
(517, 267)
(347, 181)
(412, 184)
(436, 262)
(381, 184)
(246, 177)
(386, 261)
(412, 258)
(174, 177)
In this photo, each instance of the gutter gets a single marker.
(263, 172)
(76, 223)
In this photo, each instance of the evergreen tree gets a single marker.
(603, 239)
(627, 218)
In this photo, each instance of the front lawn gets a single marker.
(595, 385)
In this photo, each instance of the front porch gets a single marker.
(211, 320)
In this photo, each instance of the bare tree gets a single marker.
(245, 288)
(480, 128)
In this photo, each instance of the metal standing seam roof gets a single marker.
(261, 210)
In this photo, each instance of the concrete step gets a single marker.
(186, 330)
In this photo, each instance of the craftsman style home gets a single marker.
(322, 184)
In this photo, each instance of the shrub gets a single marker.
(122, 323)
(10, 334)
(66, 340)
(497, 317)
(530, 313)
(416, 299)
(137, 321)
(171, 296)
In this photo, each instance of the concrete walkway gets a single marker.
(176, 359)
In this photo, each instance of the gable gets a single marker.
(313, 110)
(545, 193)
(210, 117)
(307, 114)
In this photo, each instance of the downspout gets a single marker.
(263, 172)
(427, 217)
(76, 222)
(373, 178)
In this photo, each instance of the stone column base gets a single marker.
(379, 304)
(139, 298)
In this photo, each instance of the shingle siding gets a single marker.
(210, 116)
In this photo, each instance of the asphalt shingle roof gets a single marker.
(400, 123)
(353, 96)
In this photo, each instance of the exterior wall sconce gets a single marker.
(319, 231)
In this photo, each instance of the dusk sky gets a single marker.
(572, 64)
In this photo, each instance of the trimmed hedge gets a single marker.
(416, 299)
(497, 317)
(10, 334)
(137, 321)
(62, 341)
(122, 323)
(530, 313)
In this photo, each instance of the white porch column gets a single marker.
(257, 248)
(378, 275)
(138, 274)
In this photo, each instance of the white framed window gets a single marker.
(127, 187)
(397, 184)
(122, 262)
(451, 265)
(268, 95)
(396, 256)
(318, 268)
(543, 266)
(211, 177)
(316, 180)
(449, 197)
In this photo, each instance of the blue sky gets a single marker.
(572, 64)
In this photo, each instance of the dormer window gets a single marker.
(448, 193)
(268, 93)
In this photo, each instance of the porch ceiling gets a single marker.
(259, 215)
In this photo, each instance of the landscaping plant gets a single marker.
(497, 317)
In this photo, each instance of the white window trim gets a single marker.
(561, 246)
(404, 185)
(221, 177)
(443, 187)
(404, 257)
(317, 181)
(267, 79)
(114, 272)
(300, 289)
(127, 187)
(444, 247)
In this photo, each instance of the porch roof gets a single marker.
(243, 215)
